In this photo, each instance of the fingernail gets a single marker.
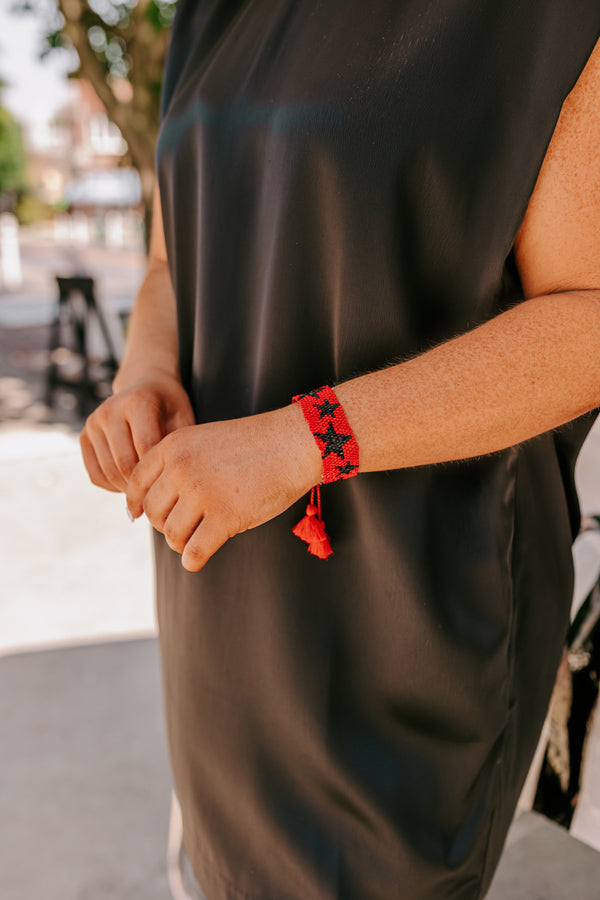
(130, 515)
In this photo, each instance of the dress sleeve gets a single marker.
(196, 28)
(178, 50)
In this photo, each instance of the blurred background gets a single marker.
(85, 787)
(75, 202)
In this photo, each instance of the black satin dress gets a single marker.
(342, 182)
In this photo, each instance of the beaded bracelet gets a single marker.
(339, 452)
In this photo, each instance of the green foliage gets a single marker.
(31, 209)
(160, 14)
(12, 154)
(54, 40)
(110, 28)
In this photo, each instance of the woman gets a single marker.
(341, 186)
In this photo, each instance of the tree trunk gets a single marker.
(138, 117)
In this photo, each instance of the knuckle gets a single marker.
(173, 539)
(90, 420)
(180, 459)
(195, 553)
(103, 414)
(141, 398)
(232, 519)
(90, 428)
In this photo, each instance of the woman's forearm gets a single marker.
(524, 372)
(152, 333)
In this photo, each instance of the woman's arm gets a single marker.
(526, 371)
(523, 373)
(149, 401)
(530, 369)
(153, 323)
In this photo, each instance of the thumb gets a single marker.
(180, 418)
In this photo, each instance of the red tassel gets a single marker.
(311, 529)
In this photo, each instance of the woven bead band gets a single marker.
(332, 433)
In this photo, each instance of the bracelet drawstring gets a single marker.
(311, 528)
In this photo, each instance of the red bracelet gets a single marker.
(330, 429)
(339, 451)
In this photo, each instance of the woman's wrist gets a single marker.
(134, 372)
(306, 458)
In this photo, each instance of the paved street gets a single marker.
(84, 803)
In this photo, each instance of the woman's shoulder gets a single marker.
(558, 245)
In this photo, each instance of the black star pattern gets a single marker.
(346, 468)
(334, 442)
(326, 408)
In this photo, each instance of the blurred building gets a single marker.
(77, 160)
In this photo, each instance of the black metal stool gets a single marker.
(69, 332)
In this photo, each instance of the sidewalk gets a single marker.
(85, 786)
(74, 568)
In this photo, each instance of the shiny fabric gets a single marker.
(342, 183)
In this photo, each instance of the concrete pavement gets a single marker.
(74, 568)
(542, 861)
(85, 785)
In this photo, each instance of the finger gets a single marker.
(181, 523)
(122, 448)
(182, 418)
(158, 503)
(92, 465)
(146, 429)
(204, 542)
(147, 471)
(105, 458)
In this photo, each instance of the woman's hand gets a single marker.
(202, 485)
(126, 426)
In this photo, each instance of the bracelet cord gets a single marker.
(339, 452)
